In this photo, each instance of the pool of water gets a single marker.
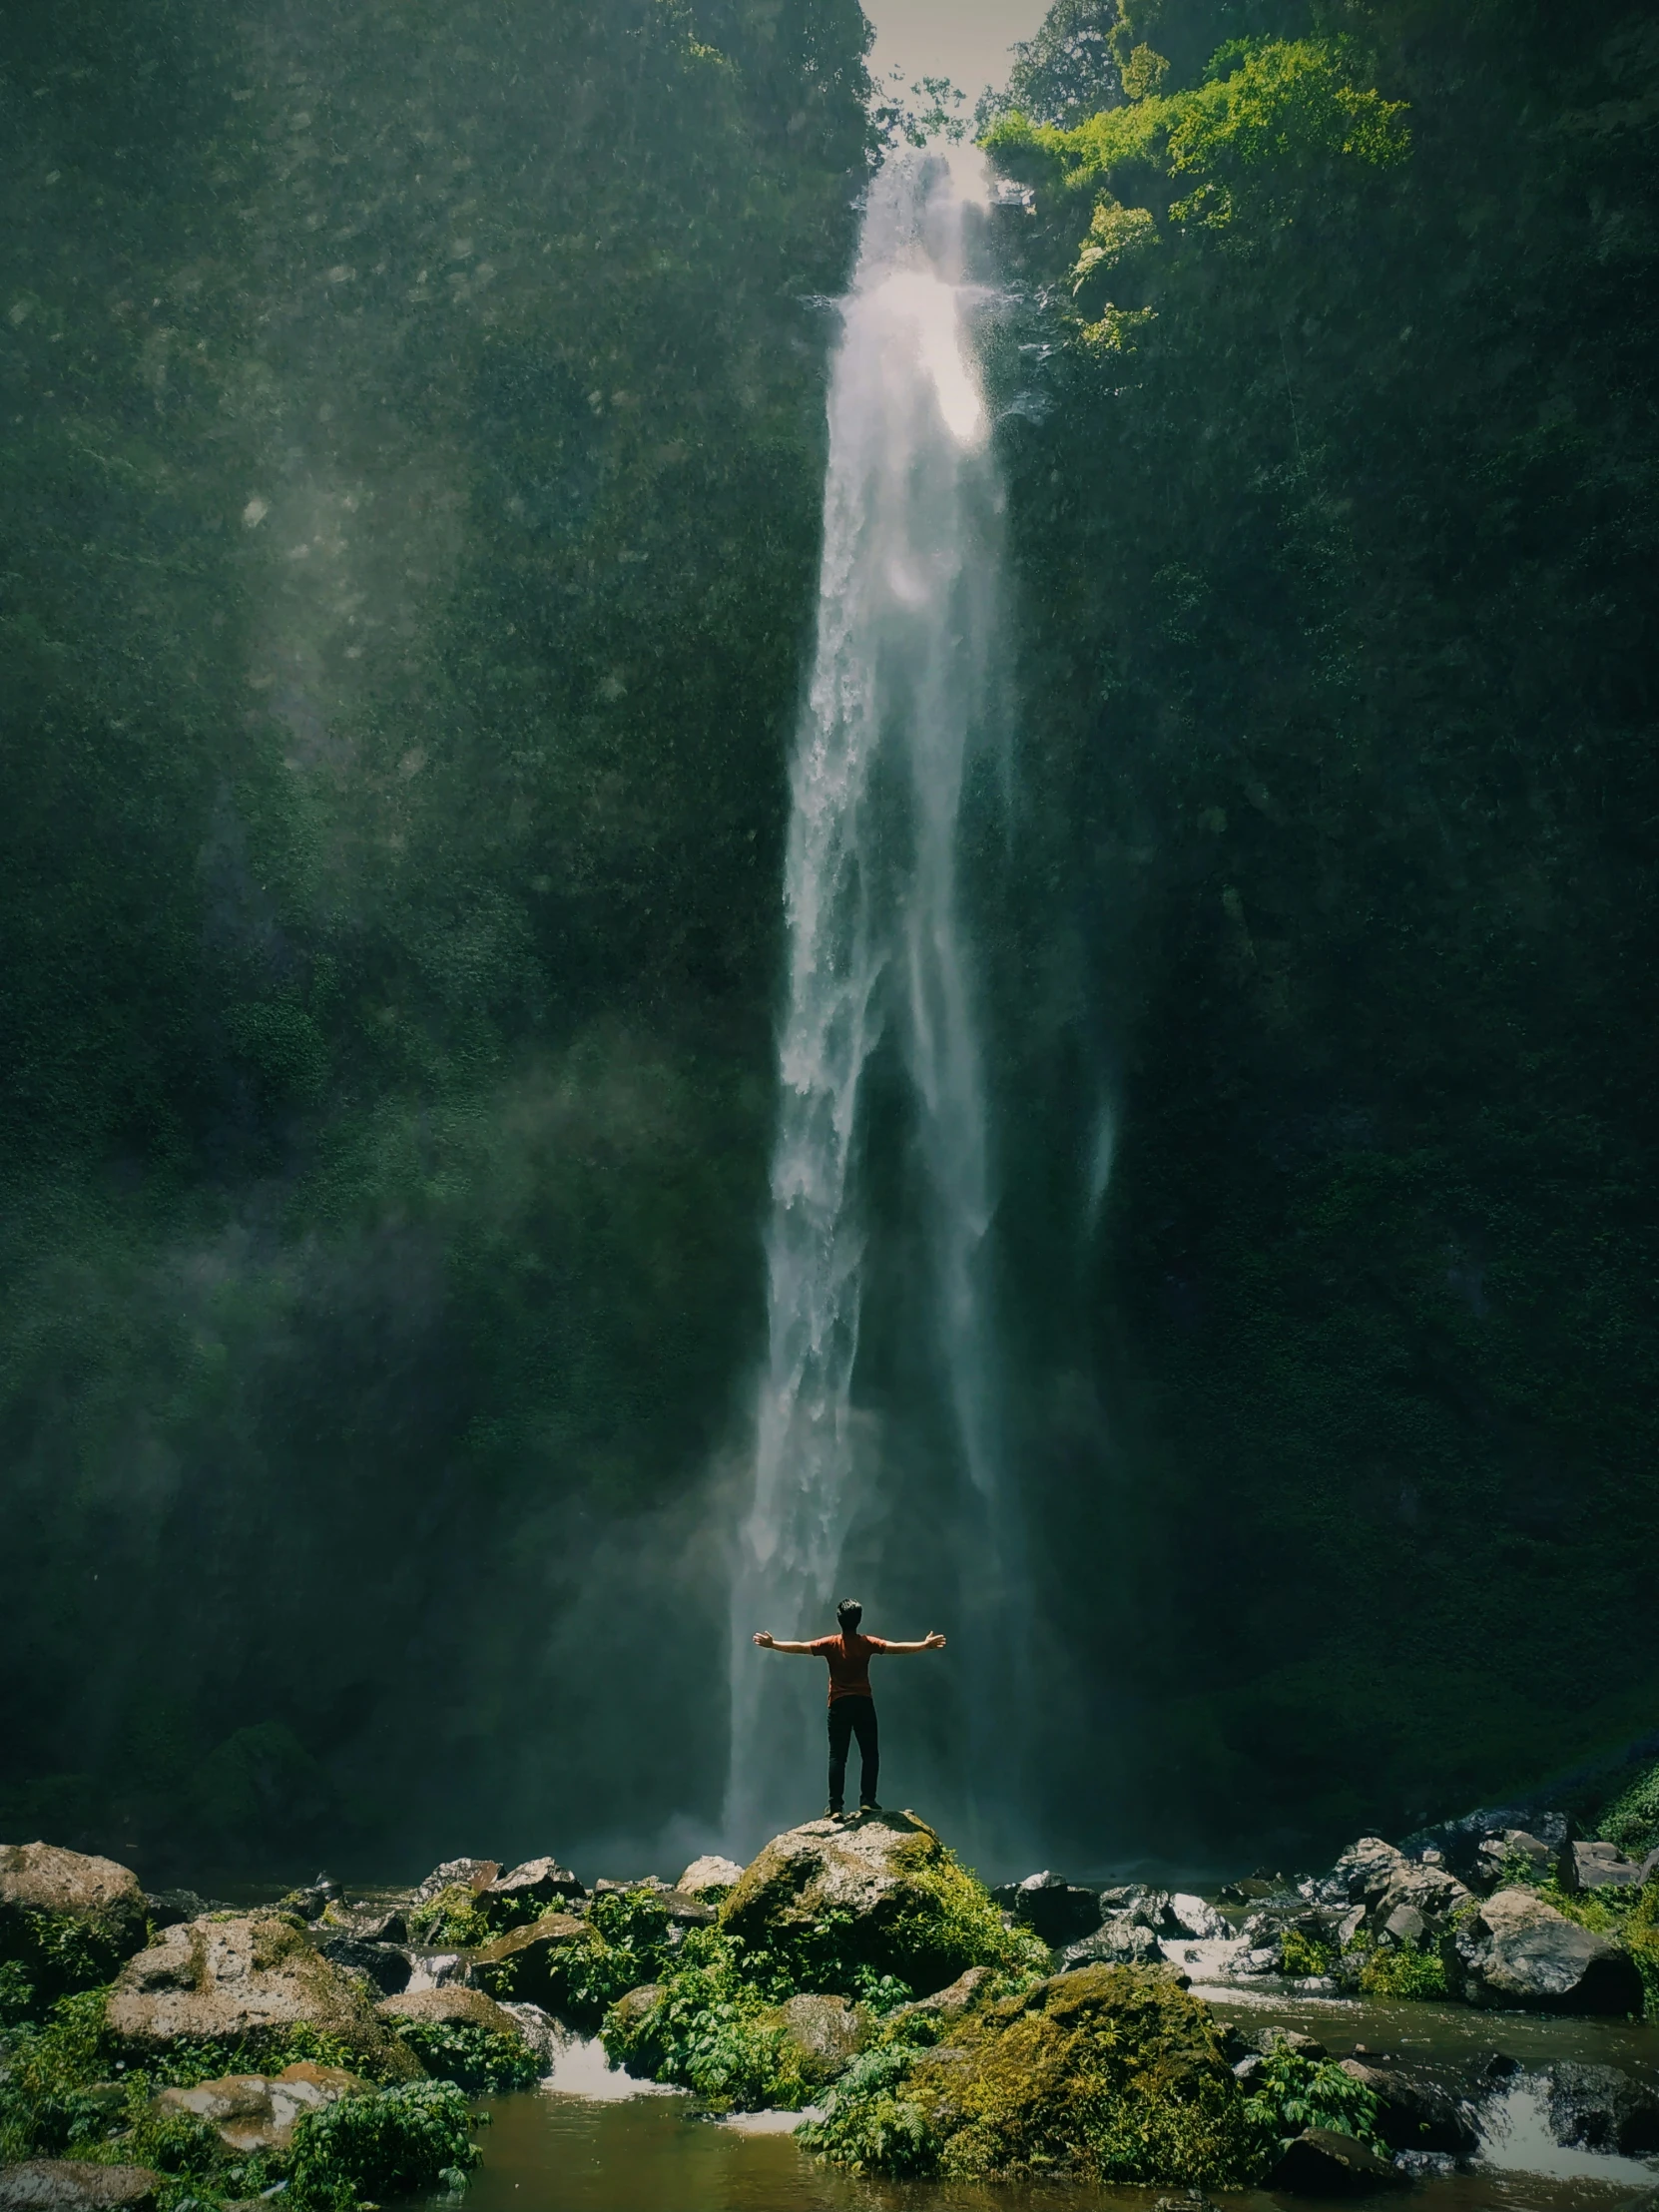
(591, 2141)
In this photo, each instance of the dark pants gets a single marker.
(849, 1717)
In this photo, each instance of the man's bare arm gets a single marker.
(932, 1641)
(771, 1643)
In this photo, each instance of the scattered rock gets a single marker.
(457, 1873)
(368, 1924)
(1251, 1888)
(1461, 1841)
(1323, 2163)
(826, 2030)
(1133, 1901)
(436, 1969)
(452, 2002)
(1519, 1950)
(1119, 1941)
(1057, 1910)
(167, 1908)
(530, 1889)
(257, 2111)
(1405, 1925)
(226, 1978)
(710, 1879)
(540, 2030)
(1600, 2108)
(384, 1966)
(1498, 1856)
(77, 2185)
(522, 1964)
(1186, 1915)
(1595, 1866)
(1416, 2112)
(962, 1993)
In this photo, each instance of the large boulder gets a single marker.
(1595, 1866)
(472, 1874)
(1323, 2163)
(1112, 2071)
(77, 2185)
(530, 1962)
(257, 2111)
(1057, 1910)
(1118, 1941)
(903, 1904)
(227, 1979)
(1186, 1915)
(385, 1967)
(1416, 2112)
(451, 2003)
(68, 1920)
(1516, 1950)
(1600, 2108)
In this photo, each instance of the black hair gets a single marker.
(850, 1613)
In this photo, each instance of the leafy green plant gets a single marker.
(474, 2057)
(708, 2029)
(1302, 1956)
(454, 1915)
(1632, 1820)
(868, 2124)
(393, 2144)
(1289, 2093)
(16, 1993)
(1391, 1969)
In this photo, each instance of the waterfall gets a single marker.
(899, 709)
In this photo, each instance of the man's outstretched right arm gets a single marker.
(772, 1643)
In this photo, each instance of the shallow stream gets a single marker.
(589, 2141)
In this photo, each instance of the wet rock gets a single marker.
(539, 2029)
(828, 2032)
(77, 2185)
(436, 1969)
(1499, 1857)
(1424, 2165)
(628, 2011)
(42, 1884)
(874, 1868)
(257, 2111)
(1246, 1965)
(1416, 2112)
(525, 1962)
(1134, 1901)
(457, 1873)
(1404, 1924)
(1323, 2163)
(687, 1912)
(1600, 2108)
(1119, 1941)
(1519, 1950)
(709, 1878)
(1055, 1910)
(226, 1978)
(368, 1924)
(530, 1889)
(451, 2003)
(1595, 1866)
(1190, 1915)
(1251, 1888)
(960, 1996)
(384, 1966)
(1461, 1841)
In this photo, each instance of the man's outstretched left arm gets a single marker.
(932, 1641)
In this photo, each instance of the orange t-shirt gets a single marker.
(848, 1658)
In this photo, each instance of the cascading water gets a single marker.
(900, 707)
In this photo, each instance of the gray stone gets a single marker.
(1595, 1866)
(76, 2185)
(226, 1978)
(451, 2003)
(1323, 2163)
(522, 1963)
(1134, 1901)
(1649, 1868)
(384, 1966)
(257, 2111)
(708, 1877)
(1405, 1925)
(540, 2030)
(457, 1873)
(167, 1908)
(1600, 2108)
(103, 1900)
(1519, 1950)
(1501, 1856)
(530, 1889)
(1186, 1915)
(1368, 1868)
(1119, 1941)
(1416, 2113)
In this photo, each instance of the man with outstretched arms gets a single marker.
(852, 1701)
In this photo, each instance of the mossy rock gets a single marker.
(1112, 2073)
(528, 1963)
(68, 1920)
(248, 1980)
(880, 1891)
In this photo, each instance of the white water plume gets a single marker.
(877, 949)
